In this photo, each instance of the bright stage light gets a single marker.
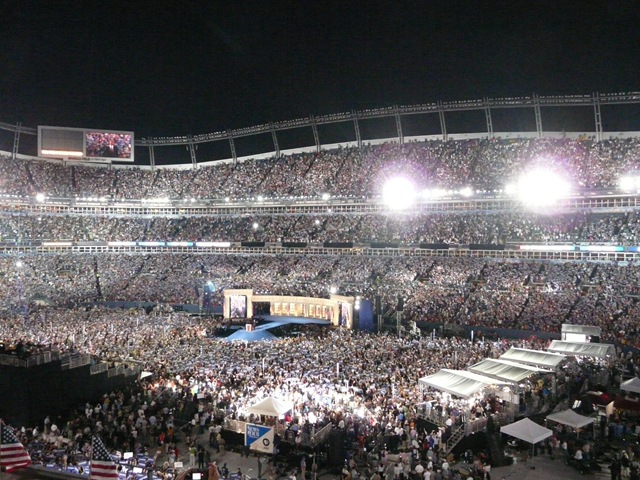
(255, 225)
(333, 290)
(40, 197)
(540, 187)
(399, 193)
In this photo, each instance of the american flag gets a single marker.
(12, 453)
(102, 467)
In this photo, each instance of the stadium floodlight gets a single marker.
(630, 183)
(333, 290)
(541, 188)
(260, 198)
(511, 189)
(317, 222)
(466, 192)
(433, 193)
(255, 225)
(19, 264)
(399, 193)
(40, 197)
(326, 196)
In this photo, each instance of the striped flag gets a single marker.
(13, 455)
(102, 466)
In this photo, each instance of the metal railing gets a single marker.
(98, 368)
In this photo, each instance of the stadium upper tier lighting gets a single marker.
(399, 193)
(630, 183)
(541, 187)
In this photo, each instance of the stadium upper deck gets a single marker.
(481, 166)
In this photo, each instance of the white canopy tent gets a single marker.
(537, 358)
(631, 385)
(505, 370)
(458, 382)
(570, 418)
(598, 350)
(270, 406)
(579, 333)
(526, 430)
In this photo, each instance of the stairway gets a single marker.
(456, 436)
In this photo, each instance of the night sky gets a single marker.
(171, 67)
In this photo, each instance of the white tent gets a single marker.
(458, 382)
(505, 370)
(527, 431)
(571, 418)
(599, 350)
(631, 385)
(271, 407)
(579, 333)
(536, 358)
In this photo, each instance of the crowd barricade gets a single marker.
(99, 368)
(12, 361)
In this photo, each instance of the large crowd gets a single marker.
(526, 295)
(481, 164)
(44, 297)
(454, 228)
(363, 384)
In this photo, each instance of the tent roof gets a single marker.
(600, 350)
(526, 430)
(584, 329)
(271, 407)
(631, 385)
(533, 357)
(457, 382)
(505, 370)
(571, 418)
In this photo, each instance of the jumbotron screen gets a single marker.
(85, 144)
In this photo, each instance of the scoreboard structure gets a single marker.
(85, 144)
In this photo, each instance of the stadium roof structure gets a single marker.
(504, 370)
(536, 358)
(460, 383)
(597, 350)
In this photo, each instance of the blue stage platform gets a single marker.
(261, 332)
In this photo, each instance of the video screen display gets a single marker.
(108, 145)
(238, 306)
(345, 318)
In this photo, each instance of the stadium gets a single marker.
(319, 240)
(433, 252)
